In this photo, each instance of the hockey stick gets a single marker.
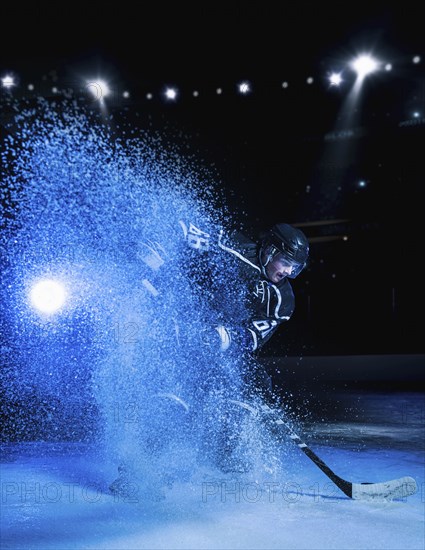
(389, 490)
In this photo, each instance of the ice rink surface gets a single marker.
(55, 495)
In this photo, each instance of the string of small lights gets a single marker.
(100, 90)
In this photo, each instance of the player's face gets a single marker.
(278, 268)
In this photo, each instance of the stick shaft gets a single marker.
(393, 489)
(345, 486)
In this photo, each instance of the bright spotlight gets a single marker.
(171, 94)
(335, 79)
(364, 65)
(244, 88)
(8, 81)
(98, 88)
(48, 296)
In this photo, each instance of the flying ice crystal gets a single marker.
(103, 210)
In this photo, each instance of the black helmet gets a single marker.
(291, 243)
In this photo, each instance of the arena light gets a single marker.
(99, 89)
(364, 65)
(244, 88)
(8, 81)
(171, 94)
(48, 296)
(335, 79)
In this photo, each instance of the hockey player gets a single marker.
(264, 268)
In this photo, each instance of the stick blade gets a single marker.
(387, 490)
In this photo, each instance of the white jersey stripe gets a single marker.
(236, 253)
(279, 301)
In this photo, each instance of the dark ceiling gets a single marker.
(281, 153)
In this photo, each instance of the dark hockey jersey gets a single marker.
(265, 305)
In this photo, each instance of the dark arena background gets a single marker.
(116, 122)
